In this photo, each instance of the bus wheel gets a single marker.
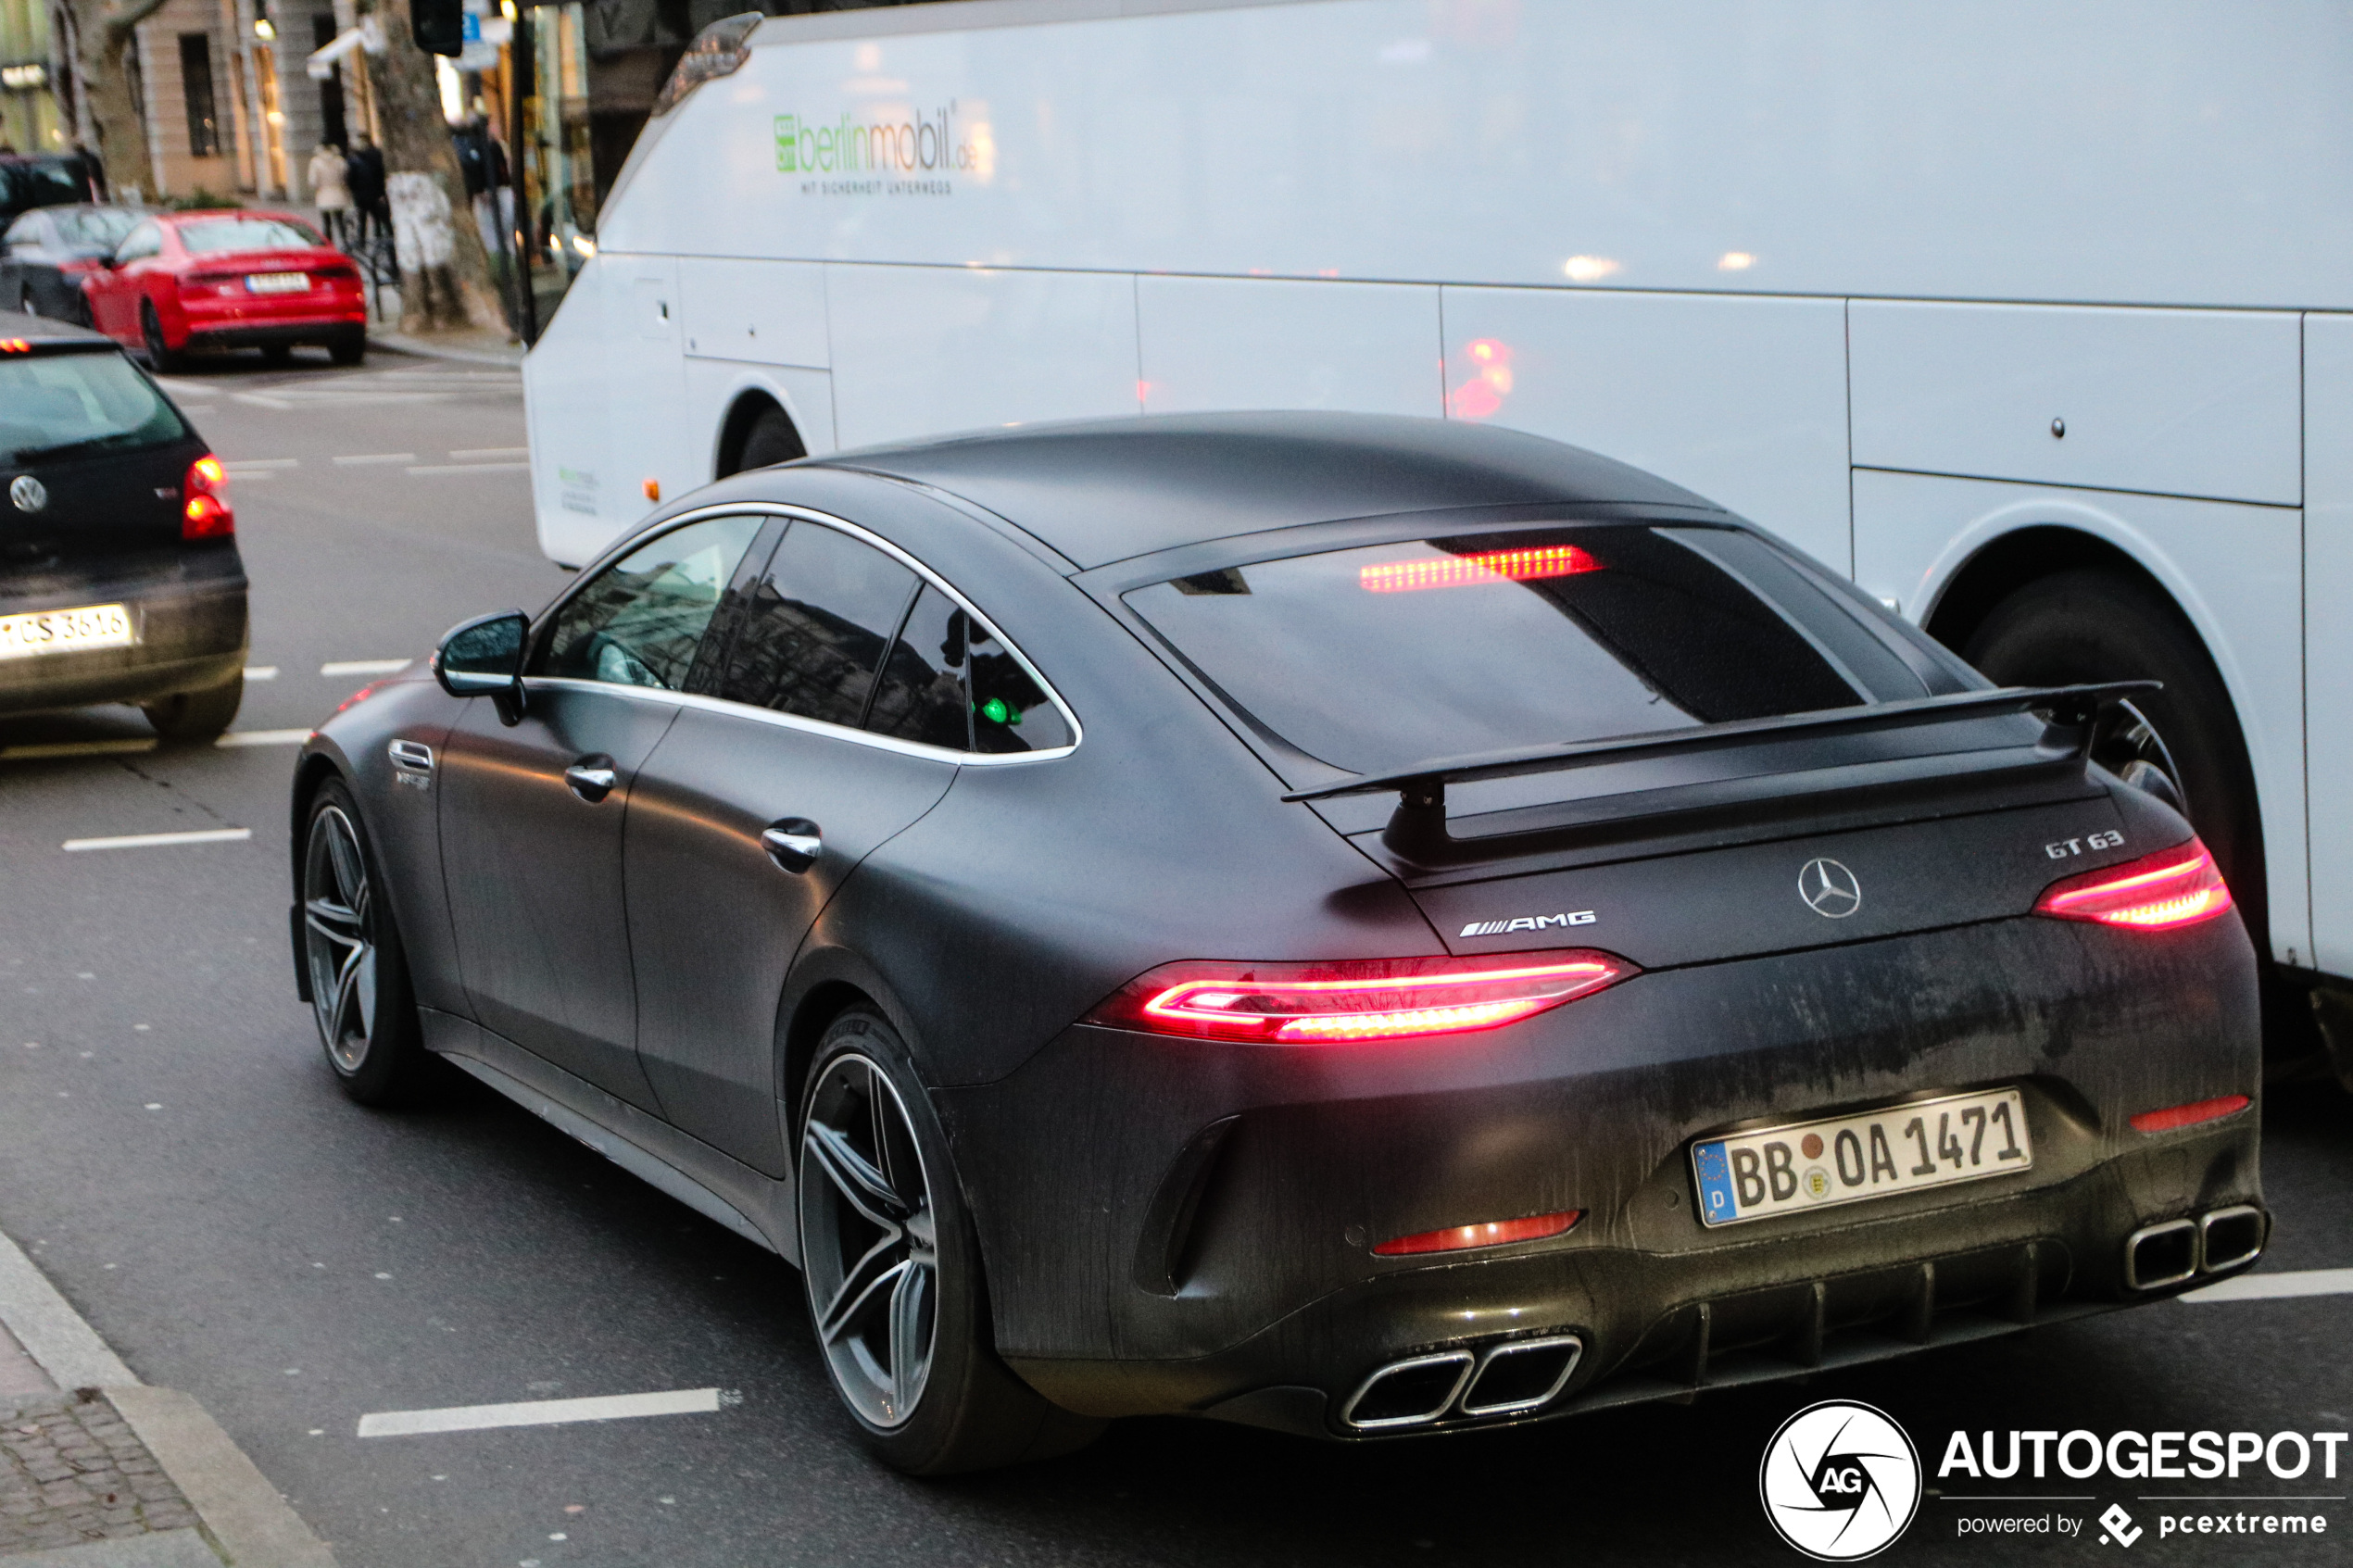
(2181, 744)
(771, 439)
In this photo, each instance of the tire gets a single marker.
(161, 358)
(277, 353)
(771, 440)
(349, 349)
(875, 1180)
(195, 716)
(2094, 625)
(358, 970)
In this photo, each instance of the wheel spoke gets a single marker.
(877, 1271)
(909, 1344)
(336, 923)
(863, 1188)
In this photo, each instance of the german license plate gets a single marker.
(1848, 1158)
(278, 283)
(65, 631)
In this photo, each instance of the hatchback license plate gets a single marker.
(1848, 1158)
(278, 283)
(65, 631)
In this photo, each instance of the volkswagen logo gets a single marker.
(28, 493)
(1830, 889)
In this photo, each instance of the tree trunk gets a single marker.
(101, 37)
(445, 275)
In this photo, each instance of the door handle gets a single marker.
(593, 777)
(794, 843)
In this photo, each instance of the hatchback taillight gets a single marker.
(2161, 892)
(204, 511)
(1367, 1000)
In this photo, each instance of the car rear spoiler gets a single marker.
(1416, 830)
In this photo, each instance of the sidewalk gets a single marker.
(473, 347)
(99, 1471)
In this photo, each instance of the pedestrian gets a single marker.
(363, 173)
(332, 191)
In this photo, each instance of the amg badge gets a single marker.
(1526, 923)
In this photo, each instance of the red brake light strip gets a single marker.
(2166, 891)
(1492, 566)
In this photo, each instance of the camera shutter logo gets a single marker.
(1830, 889)
(28, 493)
(1840, 1482)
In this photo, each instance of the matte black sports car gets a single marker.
(1350, 925)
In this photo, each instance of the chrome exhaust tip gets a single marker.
(1412, 1392)
(2162, 1254)
(2229, 1237)
(1522, 1374)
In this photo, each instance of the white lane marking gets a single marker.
(73, 748)
(363, 460)
(472, 467)
(2262, 1287)
(263, 738)
(491, 452)
(261, 672)
(234, 471)
(539, 1412)
(262, 462)
(180, 385)
(366, 666)
(258, 401)
(148, 840)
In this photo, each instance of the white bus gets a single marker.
(2036, 318)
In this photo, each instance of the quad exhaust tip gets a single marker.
(2173, 1250)
(1510, 1378)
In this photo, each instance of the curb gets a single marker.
(240, 1510)
(401, 343)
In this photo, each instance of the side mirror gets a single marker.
(483, 658)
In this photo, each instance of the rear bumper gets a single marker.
(1178, 1226)
(192, 636)
(249, 333)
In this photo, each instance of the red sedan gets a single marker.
(183, 281)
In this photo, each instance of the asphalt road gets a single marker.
(174, 1152)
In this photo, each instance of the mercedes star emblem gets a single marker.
(1830, 889)
(28, 493)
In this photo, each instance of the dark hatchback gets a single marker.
(119, 577)
(1352, 925)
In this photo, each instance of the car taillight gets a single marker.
(2190, 1115)
(2161, 892)
(204, 512)
(1370, 1000)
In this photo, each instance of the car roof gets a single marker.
(1105, 490)
(15, 323)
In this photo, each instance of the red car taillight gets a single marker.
(1372, 999)
(204, 513)
(2161, 892)
(1495, 1233)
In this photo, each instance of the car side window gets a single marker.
(922, 696)
(144, 240)
(640, 622)
(816, 627)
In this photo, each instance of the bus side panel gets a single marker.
(922, 350)
(653, 458)
(2235, 570)
(1741, 399)
(2183, 402)
(759, 312)
(1217, 342)
(576, 491)
(2328, 630)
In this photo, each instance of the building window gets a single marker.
(196, 77)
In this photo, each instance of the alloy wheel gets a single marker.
(869, 1241)
(339, 938)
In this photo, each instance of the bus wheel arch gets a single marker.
(756, 432)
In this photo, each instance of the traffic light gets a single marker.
(439, 26)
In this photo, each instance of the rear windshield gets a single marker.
(74, 404)
(1388, 655)
(219, 235)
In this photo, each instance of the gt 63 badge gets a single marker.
(1841, 1481)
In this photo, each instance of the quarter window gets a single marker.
(640, 622)
(144, 240)
(816, 626)
(922, 696)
